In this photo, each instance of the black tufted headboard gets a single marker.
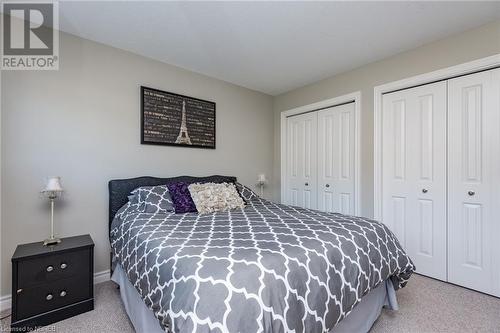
(119, 189)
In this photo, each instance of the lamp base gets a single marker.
(51, 241)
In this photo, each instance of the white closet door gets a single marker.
(336, 159)
(474, 181)
(414, 173)
(301, 185)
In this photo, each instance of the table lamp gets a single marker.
(261, 182)
(52, 191)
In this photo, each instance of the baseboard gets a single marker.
(99, 277)
(5, 302)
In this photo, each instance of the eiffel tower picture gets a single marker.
(183, 137)
(161, 124)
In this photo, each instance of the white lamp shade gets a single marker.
(53, 185)
(262, 178)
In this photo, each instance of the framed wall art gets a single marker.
(176, 120)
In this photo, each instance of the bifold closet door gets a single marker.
(414, 173)
(301, 159)
(474, 181)
(336, 159)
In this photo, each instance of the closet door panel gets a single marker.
(345, 183)
(293, 183)
(327, 159)
(414, 173)
(301, 188)
(309, 161)
(336, 159)
(474, 181)
(495, 183)
(428, 233)
(396, 186)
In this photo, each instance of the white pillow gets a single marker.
(215, 197)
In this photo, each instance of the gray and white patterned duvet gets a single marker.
(264, 268)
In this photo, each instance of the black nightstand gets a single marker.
(52, 283)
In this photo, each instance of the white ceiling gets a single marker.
(271, 47)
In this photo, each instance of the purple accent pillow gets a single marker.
(181, 198)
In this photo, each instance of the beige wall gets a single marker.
(83, 123)
(471, 45)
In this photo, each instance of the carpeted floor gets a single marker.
(426, 305)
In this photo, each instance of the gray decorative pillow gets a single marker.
(156, 199)
(133, 205)
(246, 193)
(213, 197)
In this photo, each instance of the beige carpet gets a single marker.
(426, 305)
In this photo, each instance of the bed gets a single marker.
(267, 267)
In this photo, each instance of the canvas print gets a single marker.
(173, 119)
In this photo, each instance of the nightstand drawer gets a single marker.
(51, 296)
(32, 272)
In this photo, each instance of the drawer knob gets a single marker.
(327, 185)
(50, 268)
(63, 293)
(471, 193)
(63, 265)
(424, 190)
(49, 297)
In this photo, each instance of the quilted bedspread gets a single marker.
(263, 268)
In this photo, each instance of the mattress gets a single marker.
(263, 268)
